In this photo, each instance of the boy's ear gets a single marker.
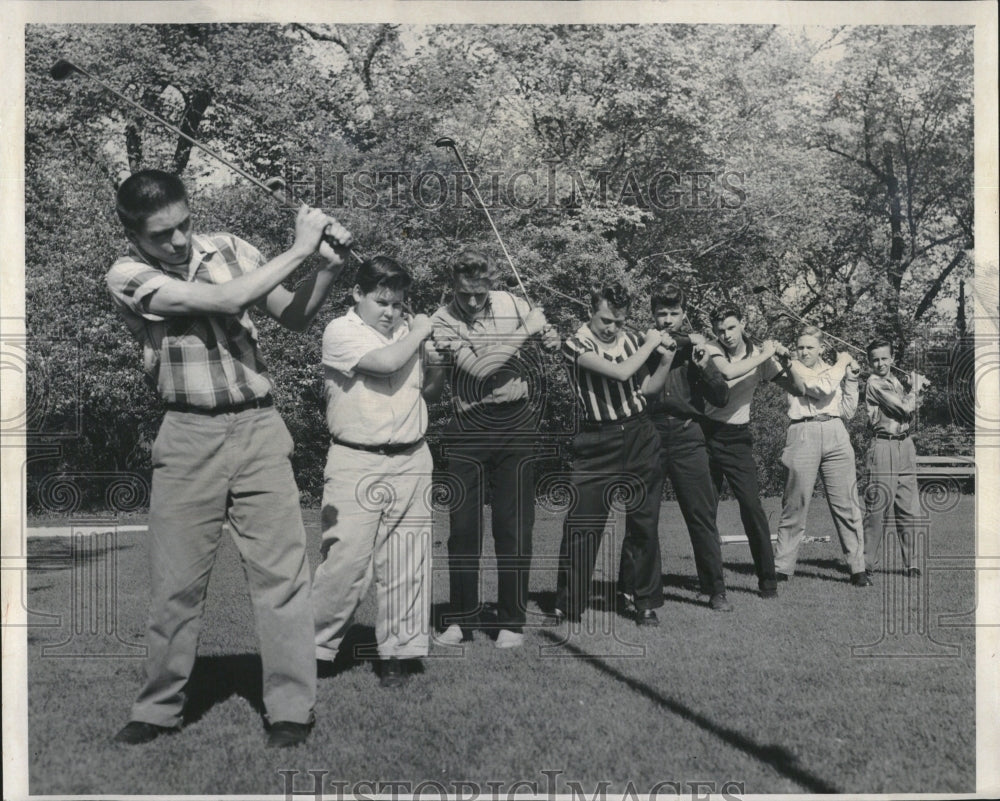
(357, 293)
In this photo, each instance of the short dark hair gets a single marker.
(724, 311)
(667, 294)
(381, 271)
(616, 295)
(472, 263)
(878, 342)
(146, 192)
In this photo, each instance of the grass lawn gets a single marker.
(771, 697)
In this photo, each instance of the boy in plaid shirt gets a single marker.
(222, 452)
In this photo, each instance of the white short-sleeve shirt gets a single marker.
(366, 409)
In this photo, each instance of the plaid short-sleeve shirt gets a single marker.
(208, 361)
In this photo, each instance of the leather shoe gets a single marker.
(860, 580)
(720, 603)
(559, 617)
(138, 732)
(392, 674)
(768, 592)
(286, 734)
(646, 617)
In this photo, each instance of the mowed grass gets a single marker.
(770, 697)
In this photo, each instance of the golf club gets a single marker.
(447, 141)
(757, 290)
(63, 68)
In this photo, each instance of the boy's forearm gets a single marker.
(485, 359)
(391, 358)
(233, 297)
(295, 310)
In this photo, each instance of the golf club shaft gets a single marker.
(758, 290)
(276, 188)
(486, 211)
(63, 67)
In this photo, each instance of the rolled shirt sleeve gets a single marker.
(345, 343)
(132, 284)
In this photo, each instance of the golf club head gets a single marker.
(444, 141)
(62, 69)
(759, 290)
(275, 184)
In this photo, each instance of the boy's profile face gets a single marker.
(809, 349)
(381, 308)
(166, 234)
(471, 294)
(881, 361)
(730, 332)
(606, 322)
(668, 318)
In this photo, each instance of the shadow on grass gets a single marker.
(62, 553)
(834, 565)
(778, 757)
(217, 678)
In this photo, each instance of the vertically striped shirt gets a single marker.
(604, 399)
(208, 361)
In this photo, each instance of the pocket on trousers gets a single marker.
(158, 454)
(787, 454)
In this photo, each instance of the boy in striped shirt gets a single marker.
(617, 447)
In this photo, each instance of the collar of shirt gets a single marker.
(202, 246)
(613, 349)
(749, 349)
(399, 331)
(460, 314)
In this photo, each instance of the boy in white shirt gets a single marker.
(817, 441)
(376, 519)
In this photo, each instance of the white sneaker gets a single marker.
(509, 639)
(452, 635)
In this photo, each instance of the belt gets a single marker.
(819, 418)
(896, 437)
(720, 424)
(384, 450)
(602, 425)
(257, 403)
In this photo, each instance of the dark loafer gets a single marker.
(392, 674)
(860, 580)
(138, 732)
(286, 734)
(646, 617)
(720, 603)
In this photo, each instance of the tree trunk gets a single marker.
(894, 274)
(196, 107)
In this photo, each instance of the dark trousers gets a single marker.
(613, 461)
(503, 462)
(730, 453)
(685, 460)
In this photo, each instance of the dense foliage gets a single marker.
(833, 166)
